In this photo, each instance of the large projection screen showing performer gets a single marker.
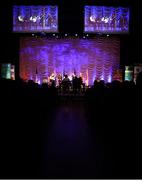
(101, 19)
(97, 58)
(35, 18)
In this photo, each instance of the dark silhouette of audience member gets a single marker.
(113, 113)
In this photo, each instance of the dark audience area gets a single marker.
(48, 135)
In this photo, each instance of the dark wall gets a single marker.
(71, 21)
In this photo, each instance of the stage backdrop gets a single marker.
(93, 58)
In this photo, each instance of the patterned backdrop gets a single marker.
(93, 58)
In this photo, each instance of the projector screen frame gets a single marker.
(38, 30)
(101, 32)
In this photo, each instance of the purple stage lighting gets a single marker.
(92, 58)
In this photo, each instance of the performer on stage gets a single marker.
(52, 79)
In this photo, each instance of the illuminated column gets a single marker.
(87, 81)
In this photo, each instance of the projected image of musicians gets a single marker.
(105, 22)
(98, 22)
(113, 21)
(50, 20)
(123, 23)
(95, 21)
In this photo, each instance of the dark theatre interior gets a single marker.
(71, 105)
